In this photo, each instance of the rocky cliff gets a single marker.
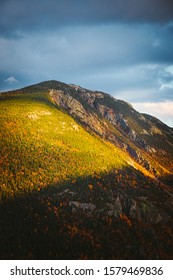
(141, 135)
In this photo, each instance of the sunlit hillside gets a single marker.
(41, 145)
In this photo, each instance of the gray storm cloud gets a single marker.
(44, 14)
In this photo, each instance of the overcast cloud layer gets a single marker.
(123, 47)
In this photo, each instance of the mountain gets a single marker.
(83, 175)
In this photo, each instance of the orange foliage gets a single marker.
(124, 218)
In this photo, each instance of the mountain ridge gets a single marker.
(113, 120)
(44, 86)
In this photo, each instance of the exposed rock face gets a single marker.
(67, 102)
(87, 108)
(88, 207)
(76, 109)
(121, 123)
(119, 203)
(139, 210)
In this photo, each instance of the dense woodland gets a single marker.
(65, 193)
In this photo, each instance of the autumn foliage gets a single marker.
(67, 194)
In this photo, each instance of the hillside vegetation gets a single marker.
(41, 145)
(67, 191)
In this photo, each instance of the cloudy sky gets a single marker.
(122, 47)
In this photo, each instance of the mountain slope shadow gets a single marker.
(118, 215)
